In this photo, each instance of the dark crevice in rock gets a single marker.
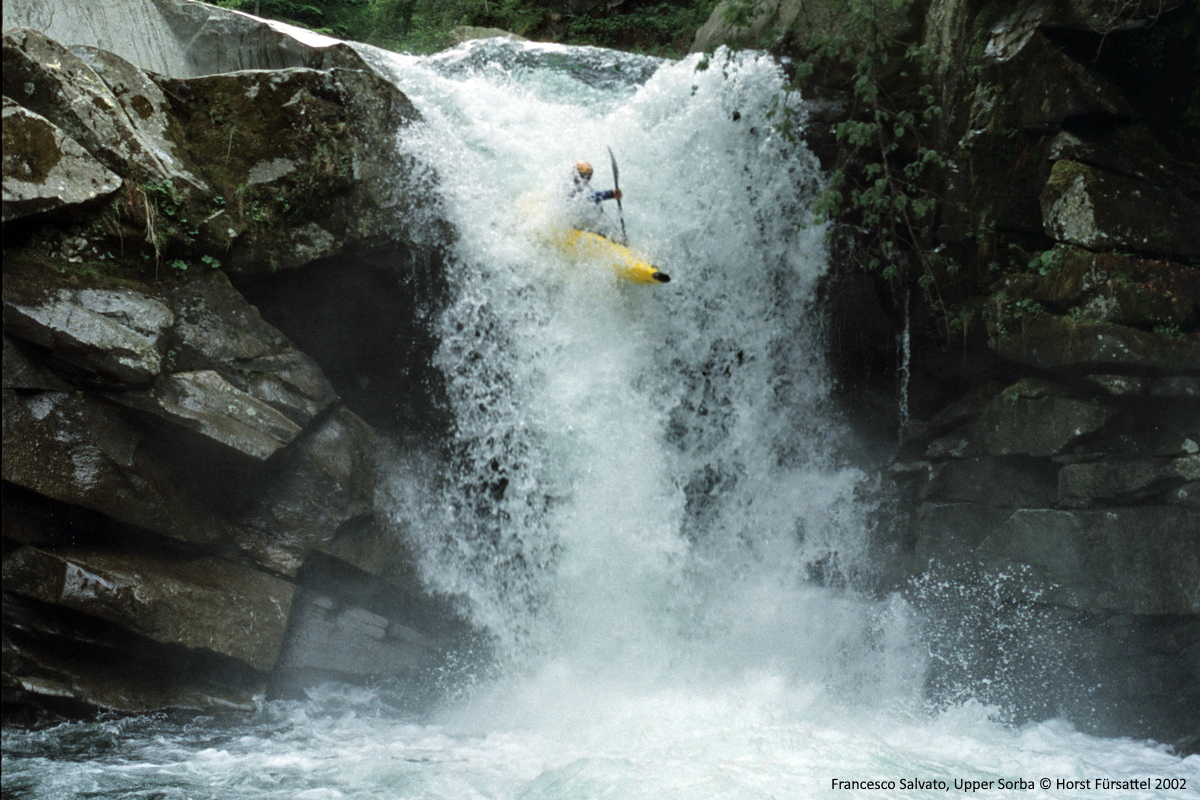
(34, 519)
(1094, 123)
(1135, 61)
(368, 322)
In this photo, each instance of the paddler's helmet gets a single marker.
(583, 171)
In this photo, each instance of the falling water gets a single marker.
(645, 502)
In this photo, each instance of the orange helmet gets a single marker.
(584, 170)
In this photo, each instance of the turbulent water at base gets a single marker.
(646, 503)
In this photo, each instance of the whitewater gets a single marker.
(648, 504)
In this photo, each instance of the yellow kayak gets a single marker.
(586, 245)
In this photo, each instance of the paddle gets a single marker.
(617, 188)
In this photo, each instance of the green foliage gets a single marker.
(1003, 311)
(421, 26)
(333, 17)
(663, 28)
(1170, 331)
(878, 196)
(1046, 262)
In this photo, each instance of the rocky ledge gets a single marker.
(196, 508)
(1046, 330)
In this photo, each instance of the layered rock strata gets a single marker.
(194, 513)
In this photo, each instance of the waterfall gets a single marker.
(645, 502)
(637, 467)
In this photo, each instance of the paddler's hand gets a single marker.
(616, 194)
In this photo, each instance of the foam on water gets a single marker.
(646, 504)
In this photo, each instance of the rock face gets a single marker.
(1050, 457)
(194, 509)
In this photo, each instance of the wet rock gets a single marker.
(181, 38)
(1137, 560)
(1030, 418)
(1021, 21)
(1124, 481)
(1050, 342)
(74, 448)
(1113, 287)
(168, 453)
(200, 603)
(327, 482)
(1003, 482)
(72, 664)
(1186, 495)
(126, 133)
(771, 23)
(1176, 386)
(23, 371)
(1129, 150)
(1150, 441)
(1045, 87)
(205, 404)
(1120, 385)
(321, 184)
(217, 329)
(950, 533)
(45, 169)
(1091, 208)
(116, 334)
(331, 640)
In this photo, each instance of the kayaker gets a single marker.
(583, 185)
(588, 213)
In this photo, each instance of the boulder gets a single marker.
(1120, 385)
(217, 329)
(1050, 342)
(295, 163)
(327, 482)
(213, 409)
(949, 534)
(181, 38)
(332, 640)
(1123, 481)
(75, 448)
(176, 466)
(1006, 482)
(769, 24)
(1022, 20)
(1129, 560)
(45, 169)
(22, 371)
(74, 664)
(1029, 418)
(1113, 287)
(1044, 87)
(116, 335)
(1131, 150)
(201, 603)
(1091, 208)
(127, 133)
(1176, 386)
(1152, 439)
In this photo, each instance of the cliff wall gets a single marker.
(196, 490)
(1039, 326)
